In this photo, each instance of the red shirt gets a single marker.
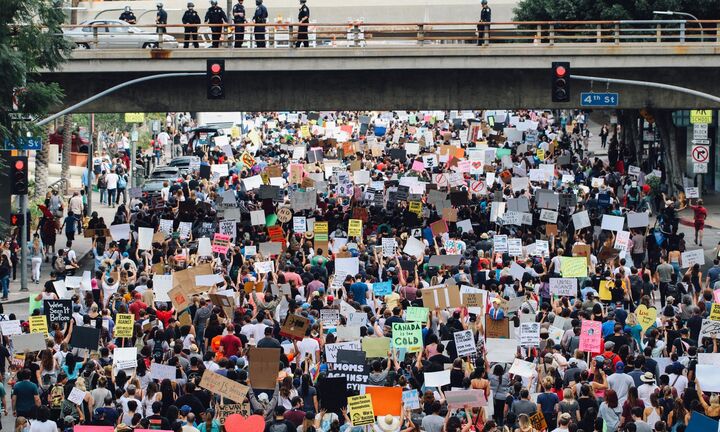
(231, 345)
(136, 307)
(164, 316)
(700, 212)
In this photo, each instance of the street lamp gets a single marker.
(670, 13)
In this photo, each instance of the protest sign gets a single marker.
(563, 287)
(160, 372)
(355, 228)
(221, 243)
(411, 399)
(418, 314)
(572, 267)
(332, 393)
(530, 334)
(361, 410)
(10, 327)
(441, 297)
(124, 325)
(58, 311)
(501, 350)
(591, 336)
(690, 258)
(222, 386)
(224, 411)
(538, 421)
(331, 350)
(376, 347)
(464, 343)
(381, 289)
(437, 379)
(295, 327)
(263, 367)
(457, 399)
(39, 324)
(85, 337)
(497, 329)
(330, 317)
(385, 400)
(356, 374)
(407, 335)
(29, 342)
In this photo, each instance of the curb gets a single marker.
(83, 260)
(691, 223)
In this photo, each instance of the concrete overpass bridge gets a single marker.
(410, 66)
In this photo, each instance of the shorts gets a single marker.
(699, 224)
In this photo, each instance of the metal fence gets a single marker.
(103, 34)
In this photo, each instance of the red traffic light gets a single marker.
(215, 68)
(13, 220)
(560, 71)
(19, 164)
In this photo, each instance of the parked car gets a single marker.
(115, 34)
(183, 163)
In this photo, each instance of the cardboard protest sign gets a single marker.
(646, 317)
(29, 342)
(591, 336)
(361, 410)
(497, 329)
(224, 411)
(538, 422)
(295, 327)
(124, 325)
(85, 337)
(58, 311)
(376, 347)
(441, 297)
(385, 400)
(264, 368)
(222, 386)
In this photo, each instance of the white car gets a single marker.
(115, 34)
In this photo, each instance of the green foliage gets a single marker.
(587, 10)
(30, 40)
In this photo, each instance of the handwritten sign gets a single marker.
(591, 336)
(221, 243)
(225, 387)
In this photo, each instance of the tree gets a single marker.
(592, 10)
(30, 40)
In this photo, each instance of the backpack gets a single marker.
(158, 350)
(122, 183)
(56, 397)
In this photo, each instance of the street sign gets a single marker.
(700, 168)
(599, 99)
(700, 153)
(134, 117)
(700, 131)
(23, 143)
(701, 141)
(700, 116)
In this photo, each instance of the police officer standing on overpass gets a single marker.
(161, 19)
(239, 18)
(485, 17)
(260, 17)
(191, 17)
(128, 16)
(215, 15)
(303, 17)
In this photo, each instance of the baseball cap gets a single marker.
(619, 366)
(185, 409)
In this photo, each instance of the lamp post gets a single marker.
(670, 13)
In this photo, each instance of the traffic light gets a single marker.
(561, 82)
(215, 75)
(19, 175)
(16, 220)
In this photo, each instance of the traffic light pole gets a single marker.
(647, 84)
(23, 238)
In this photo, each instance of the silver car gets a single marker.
(115, 34)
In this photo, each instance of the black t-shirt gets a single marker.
(4, 354)
(192, 401)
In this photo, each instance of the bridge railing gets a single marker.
(99, 34)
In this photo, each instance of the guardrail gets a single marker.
(359, 34)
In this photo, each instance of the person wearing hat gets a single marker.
(161, 21)
(647, 388)
(215, 15)
(389, 423)
(128, 16)
(496, 311)
(191, 32)
(620, 382)
(238, 16)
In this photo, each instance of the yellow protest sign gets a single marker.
(573, 266)
(355, 228)
(255, 138)
(361, 410)
(134, 117)
(540, 153)
(321, 231)
(415, 207)
(38, 324)
(376, 346)
(305, 131)
(700, 116)
(646, 316)
(235, 132)
(248, 160)
(124, 324)
(715, 312)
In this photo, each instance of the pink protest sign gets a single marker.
(716, 296)
(418, 166)
(591, 336)
(221, 243)
(80, 428)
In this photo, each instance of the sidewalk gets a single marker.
(81, 245)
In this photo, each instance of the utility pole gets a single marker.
(91, 154)
(24, 235)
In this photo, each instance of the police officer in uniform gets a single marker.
(161, 19)
(303, 17)
(191, 17)
(215, 15)
(239, 18)
(260, 17)
(485, 17)
(128, 16)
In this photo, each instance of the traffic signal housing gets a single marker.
(215, 79)
(16, 219)
(19, 175)
(561, 82)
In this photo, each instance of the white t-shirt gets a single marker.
(46, 426)
(112, 180)
(109, 290)
(308, 346)
(163, 138)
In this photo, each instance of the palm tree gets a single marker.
(67, 147)
(42, 157)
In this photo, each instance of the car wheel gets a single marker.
(83, 46)
(150, 45)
